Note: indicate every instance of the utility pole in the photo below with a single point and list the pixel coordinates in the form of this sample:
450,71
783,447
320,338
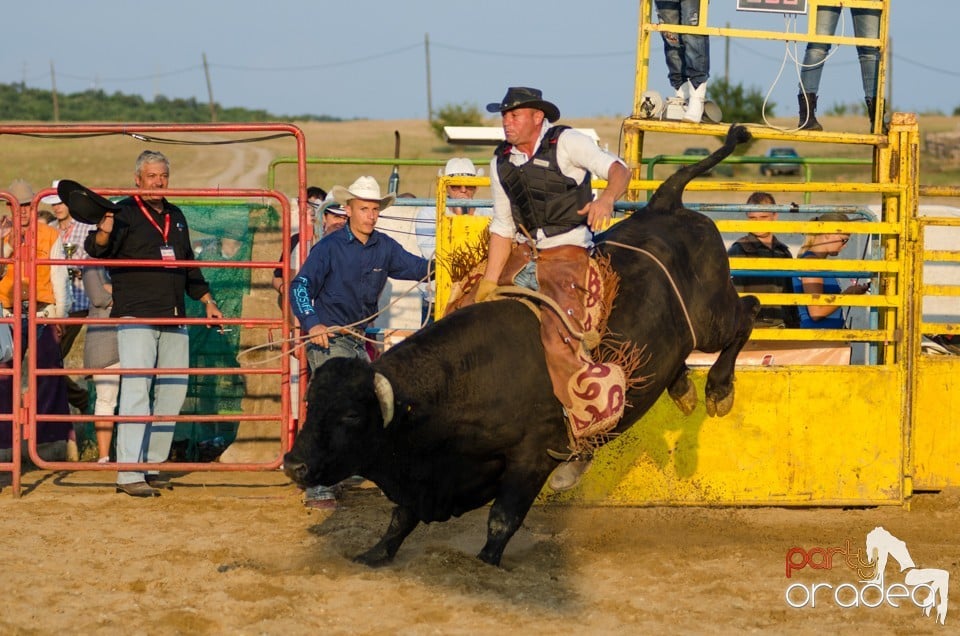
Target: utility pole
53,91
426,48
889,96
726,59
213,108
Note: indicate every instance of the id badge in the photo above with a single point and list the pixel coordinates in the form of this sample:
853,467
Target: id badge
167,254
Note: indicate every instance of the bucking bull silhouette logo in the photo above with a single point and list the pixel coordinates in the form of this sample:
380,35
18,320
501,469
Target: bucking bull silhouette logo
926,588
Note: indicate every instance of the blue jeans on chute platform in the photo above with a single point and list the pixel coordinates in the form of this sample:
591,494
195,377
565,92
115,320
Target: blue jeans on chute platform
866,24
687,56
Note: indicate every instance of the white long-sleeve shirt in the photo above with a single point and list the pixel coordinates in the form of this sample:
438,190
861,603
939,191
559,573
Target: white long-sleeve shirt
577,154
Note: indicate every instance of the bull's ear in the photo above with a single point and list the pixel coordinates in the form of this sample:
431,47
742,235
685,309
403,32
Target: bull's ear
384,391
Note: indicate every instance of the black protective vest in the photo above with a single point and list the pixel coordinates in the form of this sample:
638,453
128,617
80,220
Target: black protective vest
541,197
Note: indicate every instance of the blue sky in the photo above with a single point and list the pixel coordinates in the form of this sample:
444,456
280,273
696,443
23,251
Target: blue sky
367,59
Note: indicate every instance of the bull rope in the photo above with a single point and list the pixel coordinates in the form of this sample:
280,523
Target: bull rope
666,273
303,340
515,290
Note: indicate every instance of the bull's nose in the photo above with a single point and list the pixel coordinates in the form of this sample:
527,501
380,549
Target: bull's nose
295,471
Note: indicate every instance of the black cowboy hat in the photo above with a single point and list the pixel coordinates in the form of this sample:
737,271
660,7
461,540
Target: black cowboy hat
85,205
523,97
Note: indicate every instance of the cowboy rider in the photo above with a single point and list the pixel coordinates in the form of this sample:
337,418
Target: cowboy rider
540,238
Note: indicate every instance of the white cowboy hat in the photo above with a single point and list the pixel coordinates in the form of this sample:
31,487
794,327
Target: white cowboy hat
21,191
365,188
330,206
460,167
52,199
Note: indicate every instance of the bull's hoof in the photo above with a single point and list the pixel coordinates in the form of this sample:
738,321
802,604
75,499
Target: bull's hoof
491,557
719,408
688,401
375,557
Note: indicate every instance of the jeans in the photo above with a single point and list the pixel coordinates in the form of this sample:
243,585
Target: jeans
148,347
866,24
340,347
687,56
527,277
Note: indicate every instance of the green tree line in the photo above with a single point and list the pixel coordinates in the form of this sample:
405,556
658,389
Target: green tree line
20,103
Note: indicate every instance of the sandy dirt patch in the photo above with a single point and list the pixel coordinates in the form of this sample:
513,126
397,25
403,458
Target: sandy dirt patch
238,553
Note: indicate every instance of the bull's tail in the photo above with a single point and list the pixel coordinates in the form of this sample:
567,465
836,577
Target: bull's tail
669,196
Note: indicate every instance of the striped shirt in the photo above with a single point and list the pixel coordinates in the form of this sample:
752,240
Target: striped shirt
72,236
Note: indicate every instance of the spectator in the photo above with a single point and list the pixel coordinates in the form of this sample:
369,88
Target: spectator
822,246
426,221
50,287
100,351
46,217
332,217
328,217
337,288
765,245
72,234
544,216
687,56
866,24
148,227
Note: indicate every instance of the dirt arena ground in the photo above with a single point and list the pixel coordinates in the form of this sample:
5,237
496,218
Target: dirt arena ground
228,553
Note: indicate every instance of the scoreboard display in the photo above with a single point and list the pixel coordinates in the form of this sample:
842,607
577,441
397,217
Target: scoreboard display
773,6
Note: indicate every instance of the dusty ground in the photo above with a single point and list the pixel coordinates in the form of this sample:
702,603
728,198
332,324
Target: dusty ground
238,553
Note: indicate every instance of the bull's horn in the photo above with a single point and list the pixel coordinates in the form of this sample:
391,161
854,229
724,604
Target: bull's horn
384,391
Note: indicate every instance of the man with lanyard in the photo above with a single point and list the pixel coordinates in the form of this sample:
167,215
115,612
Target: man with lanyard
72,233
148,227
334,296
542,230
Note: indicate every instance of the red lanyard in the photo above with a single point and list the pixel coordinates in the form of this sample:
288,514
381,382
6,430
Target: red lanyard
165,232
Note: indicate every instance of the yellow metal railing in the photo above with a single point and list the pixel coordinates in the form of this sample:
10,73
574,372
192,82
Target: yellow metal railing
635,125
887,298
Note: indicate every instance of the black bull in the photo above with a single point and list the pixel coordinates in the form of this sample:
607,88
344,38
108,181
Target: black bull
468,403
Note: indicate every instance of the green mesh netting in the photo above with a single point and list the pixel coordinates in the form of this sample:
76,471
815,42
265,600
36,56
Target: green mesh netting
219,233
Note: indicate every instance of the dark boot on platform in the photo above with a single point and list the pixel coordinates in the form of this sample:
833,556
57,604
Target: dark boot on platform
871,110
808,112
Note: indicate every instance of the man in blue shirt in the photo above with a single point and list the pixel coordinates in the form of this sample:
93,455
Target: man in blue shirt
336,291
338,287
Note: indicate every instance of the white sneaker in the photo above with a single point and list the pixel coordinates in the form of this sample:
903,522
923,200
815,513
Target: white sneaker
568,474
698,96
